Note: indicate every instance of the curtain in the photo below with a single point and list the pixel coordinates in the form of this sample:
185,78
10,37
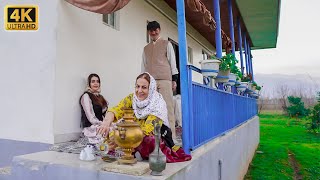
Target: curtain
198,6
99,6
208,20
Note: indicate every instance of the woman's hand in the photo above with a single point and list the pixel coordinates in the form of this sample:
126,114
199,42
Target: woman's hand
104,128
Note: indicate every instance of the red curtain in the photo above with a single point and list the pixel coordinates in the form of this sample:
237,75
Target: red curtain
208,20
99,6
198,6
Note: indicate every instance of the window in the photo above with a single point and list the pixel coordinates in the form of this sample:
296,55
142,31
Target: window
205,55
190,55
111,20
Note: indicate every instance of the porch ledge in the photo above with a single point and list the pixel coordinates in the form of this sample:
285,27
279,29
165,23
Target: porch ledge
227,157
51,163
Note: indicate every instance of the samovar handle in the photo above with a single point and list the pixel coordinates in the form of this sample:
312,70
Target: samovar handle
122,133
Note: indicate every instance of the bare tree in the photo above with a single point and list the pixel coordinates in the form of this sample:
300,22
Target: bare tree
261,104
283,91
262,101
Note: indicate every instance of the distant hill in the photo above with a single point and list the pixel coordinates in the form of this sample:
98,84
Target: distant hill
299,83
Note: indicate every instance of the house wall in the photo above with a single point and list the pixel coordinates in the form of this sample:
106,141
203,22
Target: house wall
27,67
86,45
226,157
44,71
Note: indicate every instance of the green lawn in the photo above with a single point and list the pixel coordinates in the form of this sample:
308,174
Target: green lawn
287,150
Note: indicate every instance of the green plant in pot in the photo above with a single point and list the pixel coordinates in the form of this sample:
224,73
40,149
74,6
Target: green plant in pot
226,62
258,88
233,66
239,76
246,78
213,57
224,68
254,85
234,70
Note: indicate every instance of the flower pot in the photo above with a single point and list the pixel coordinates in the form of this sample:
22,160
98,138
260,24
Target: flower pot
232,80
223,76
254,87
238,82
242,87
210,67
249,91
255,93
250,85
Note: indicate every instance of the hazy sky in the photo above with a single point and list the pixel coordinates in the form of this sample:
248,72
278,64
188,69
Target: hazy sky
298,46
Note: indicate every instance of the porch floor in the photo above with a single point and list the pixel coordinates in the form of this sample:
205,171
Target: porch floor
42,161
226,156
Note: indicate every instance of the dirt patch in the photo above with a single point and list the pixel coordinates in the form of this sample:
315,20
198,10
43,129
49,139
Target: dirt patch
295,166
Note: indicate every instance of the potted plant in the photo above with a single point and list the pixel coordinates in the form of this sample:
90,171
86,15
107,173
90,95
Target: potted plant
254,85
239,77
224,68
246,78
210,67
234,71
258,89
244,83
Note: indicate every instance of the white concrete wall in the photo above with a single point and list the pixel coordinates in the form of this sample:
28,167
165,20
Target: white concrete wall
235,150
27,67
44,72
86,45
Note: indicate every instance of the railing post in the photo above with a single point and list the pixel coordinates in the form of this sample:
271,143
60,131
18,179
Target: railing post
216,9
218,38
240,45
249,57
245,52
251,64
183,75
191,129
231,25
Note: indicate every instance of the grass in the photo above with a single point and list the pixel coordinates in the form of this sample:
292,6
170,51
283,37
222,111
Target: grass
286,150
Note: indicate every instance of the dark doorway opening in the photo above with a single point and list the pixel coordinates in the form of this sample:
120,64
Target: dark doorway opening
176,50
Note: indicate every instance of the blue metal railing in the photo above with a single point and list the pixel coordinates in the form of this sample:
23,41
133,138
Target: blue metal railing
213,112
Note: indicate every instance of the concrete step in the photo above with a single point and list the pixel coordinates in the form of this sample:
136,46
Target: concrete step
51,165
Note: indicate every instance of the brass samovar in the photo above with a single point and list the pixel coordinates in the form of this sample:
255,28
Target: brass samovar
128,135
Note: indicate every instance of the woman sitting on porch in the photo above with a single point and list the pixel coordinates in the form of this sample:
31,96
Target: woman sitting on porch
93,109
148,106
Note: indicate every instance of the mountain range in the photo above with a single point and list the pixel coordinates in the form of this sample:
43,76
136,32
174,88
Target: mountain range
304,84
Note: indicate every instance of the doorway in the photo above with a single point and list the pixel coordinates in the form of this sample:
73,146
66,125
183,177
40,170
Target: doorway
176,50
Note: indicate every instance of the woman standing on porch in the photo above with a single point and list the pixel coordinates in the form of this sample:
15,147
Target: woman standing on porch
148,106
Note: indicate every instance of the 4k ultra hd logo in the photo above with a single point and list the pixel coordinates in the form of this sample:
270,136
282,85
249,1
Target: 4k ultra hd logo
21,17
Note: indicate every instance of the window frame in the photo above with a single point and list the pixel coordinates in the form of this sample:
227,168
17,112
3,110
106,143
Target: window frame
190,55
205,54
116,20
